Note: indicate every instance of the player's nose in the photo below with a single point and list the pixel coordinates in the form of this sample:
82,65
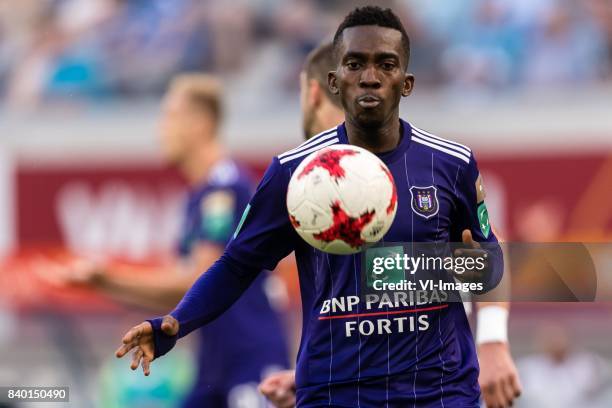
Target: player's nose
369,78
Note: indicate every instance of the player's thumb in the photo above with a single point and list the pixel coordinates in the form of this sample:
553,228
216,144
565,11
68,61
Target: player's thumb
170,325
467,239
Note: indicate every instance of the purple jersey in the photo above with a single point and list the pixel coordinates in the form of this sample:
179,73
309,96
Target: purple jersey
423,357
212,213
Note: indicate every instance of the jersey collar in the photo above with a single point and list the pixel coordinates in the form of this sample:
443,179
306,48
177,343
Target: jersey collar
392,155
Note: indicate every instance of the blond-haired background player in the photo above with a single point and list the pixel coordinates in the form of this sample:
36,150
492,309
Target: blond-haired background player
229,368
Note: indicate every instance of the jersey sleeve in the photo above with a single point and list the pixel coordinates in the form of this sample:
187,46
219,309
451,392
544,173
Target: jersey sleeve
211,295
471,213
264,234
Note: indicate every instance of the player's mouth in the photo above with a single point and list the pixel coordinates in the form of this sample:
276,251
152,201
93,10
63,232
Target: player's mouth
368,101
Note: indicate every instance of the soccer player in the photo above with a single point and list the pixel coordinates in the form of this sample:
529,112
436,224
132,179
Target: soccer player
247,343
422,356
322,110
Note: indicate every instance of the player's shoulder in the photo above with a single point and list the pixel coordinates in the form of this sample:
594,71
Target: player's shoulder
450,151
228,174
293,157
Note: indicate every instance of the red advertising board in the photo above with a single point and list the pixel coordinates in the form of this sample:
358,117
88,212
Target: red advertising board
132,212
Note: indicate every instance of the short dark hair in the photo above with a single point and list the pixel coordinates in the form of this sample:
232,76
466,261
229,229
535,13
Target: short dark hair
373,15
318,63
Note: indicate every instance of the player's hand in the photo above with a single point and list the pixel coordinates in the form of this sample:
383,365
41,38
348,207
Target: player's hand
140,339
472,249
76,272
498,377
279,388
85,272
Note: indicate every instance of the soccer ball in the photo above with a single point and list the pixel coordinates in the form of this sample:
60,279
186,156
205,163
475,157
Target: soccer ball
341,199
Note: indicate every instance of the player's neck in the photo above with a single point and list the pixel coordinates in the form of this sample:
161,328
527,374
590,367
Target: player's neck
377,140
199,163
327,117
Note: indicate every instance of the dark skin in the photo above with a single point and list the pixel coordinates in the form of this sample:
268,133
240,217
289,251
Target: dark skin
371,78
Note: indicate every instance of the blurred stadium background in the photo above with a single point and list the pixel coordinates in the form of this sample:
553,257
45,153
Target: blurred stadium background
526,83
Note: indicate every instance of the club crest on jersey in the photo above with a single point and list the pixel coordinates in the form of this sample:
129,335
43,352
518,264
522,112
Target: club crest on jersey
424,201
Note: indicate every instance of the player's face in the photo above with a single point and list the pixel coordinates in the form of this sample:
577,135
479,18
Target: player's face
181,127
371,75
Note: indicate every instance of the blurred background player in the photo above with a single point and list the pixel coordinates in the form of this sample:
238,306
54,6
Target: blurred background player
247,342
323,110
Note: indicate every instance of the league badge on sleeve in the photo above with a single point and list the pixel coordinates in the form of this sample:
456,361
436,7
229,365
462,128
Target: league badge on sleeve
481,211
483,219
424,201
217,214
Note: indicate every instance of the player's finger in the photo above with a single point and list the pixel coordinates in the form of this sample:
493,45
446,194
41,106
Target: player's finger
508,392
146,365
129,340
491,396
516,386
268,385
487,396
124,349
136,358
500,396
278,391
132,334
148,352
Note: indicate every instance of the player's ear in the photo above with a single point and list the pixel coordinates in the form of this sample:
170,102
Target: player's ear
331,82
408,84
314,92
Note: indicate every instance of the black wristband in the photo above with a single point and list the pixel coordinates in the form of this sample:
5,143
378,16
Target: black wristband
163,343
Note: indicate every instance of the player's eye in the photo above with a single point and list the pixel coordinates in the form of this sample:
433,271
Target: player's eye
388,66
353,65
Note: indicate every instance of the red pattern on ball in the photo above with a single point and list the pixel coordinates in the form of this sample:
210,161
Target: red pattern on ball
328,159
345,227
294,221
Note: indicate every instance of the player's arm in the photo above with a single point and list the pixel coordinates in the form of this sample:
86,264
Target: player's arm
161,289
155,288
470,225
264,236
211,294
498,378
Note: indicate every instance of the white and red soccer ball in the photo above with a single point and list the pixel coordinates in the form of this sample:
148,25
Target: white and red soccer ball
341,199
